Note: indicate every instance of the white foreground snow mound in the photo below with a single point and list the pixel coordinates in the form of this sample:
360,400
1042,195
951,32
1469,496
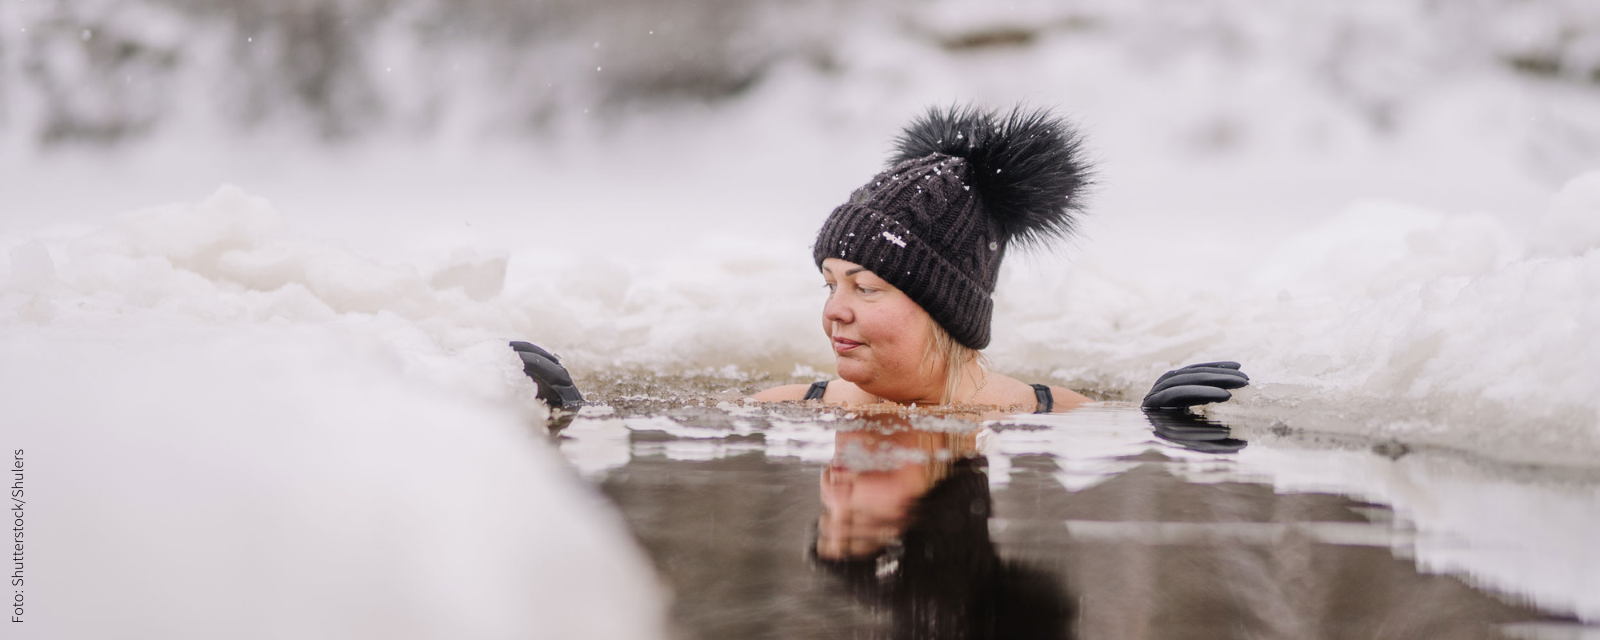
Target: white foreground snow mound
210,461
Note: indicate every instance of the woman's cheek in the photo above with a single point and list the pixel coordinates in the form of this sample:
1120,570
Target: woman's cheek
879,330
890,345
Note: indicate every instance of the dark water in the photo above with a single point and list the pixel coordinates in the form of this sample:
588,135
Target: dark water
794,522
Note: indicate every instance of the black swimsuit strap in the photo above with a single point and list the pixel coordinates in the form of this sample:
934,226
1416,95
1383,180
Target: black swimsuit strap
1047,401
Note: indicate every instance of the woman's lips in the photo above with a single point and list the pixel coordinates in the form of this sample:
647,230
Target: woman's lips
843,345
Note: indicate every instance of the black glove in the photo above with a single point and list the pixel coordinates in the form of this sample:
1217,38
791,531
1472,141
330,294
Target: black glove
1195,384
555,384
1191,432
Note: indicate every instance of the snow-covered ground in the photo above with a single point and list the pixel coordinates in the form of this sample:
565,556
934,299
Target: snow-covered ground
192,479
1370,206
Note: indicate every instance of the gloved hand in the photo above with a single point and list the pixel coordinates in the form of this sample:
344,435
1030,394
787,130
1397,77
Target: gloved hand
1195,384
555,384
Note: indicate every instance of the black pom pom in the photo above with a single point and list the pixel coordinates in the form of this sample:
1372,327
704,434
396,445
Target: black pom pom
1028,166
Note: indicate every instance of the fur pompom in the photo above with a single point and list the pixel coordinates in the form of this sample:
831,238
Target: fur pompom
1027,165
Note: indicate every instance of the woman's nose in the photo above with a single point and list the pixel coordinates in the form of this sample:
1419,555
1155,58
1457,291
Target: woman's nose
838,310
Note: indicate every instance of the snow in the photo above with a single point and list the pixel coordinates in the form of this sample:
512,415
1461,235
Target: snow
193,477
1387,319
1466,330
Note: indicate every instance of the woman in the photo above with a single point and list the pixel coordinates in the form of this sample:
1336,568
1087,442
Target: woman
912,259
911,262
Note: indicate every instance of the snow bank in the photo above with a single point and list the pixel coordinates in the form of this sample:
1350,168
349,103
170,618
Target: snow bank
233,435
1389,320
1466,330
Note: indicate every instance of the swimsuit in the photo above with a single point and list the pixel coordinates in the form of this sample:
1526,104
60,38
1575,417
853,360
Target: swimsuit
1042,392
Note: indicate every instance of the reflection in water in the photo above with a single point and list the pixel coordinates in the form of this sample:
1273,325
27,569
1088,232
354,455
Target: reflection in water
879,473
905,527
1104,523
1192,432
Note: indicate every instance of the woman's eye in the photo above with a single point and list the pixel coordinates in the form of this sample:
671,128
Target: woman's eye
865,290
829,286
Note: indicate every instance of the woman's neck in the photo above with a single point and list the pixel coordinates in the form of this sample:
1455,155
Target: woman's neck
931,390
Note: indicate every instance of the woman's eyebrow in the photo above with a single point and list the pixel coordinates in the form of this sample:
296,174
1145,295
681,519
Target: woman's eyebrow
855,271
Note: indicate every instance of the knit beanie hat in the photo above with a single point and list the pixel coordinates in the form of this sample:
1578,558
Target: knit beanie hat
963,185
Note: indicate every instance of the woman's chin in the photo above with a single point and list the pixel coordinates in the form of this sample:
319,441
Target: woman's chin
851,370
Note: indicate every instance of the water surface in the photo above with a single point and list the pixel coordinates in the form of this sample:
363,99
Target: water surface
791,521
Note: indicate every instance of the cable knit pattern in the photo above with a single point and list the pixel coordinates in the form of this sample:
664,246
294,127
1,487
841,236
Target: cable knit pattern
921,227
966,183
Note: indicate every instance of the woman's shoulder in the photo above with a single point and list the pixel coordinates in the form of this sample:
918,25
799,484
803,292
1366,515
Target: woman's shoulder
1006,391
835,392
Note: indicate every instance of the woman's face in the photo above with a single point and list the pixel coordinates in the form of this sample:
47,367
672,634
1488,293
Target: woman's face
880,336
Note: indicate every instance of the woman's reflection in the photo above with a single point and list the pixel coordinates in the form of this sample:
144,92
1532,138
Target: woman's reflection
905,527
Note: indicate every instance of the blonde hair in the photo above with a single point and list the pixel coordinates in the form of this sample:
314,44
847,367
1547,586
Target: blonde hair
945,351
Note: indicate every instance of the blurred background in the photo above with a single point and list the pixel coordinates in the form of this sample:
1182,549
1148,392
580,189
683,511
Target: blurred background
1271,103
101,75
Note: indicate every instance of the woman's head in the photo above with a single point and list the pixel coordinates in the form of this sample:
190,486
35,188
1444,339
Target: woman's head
933,229
883,341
